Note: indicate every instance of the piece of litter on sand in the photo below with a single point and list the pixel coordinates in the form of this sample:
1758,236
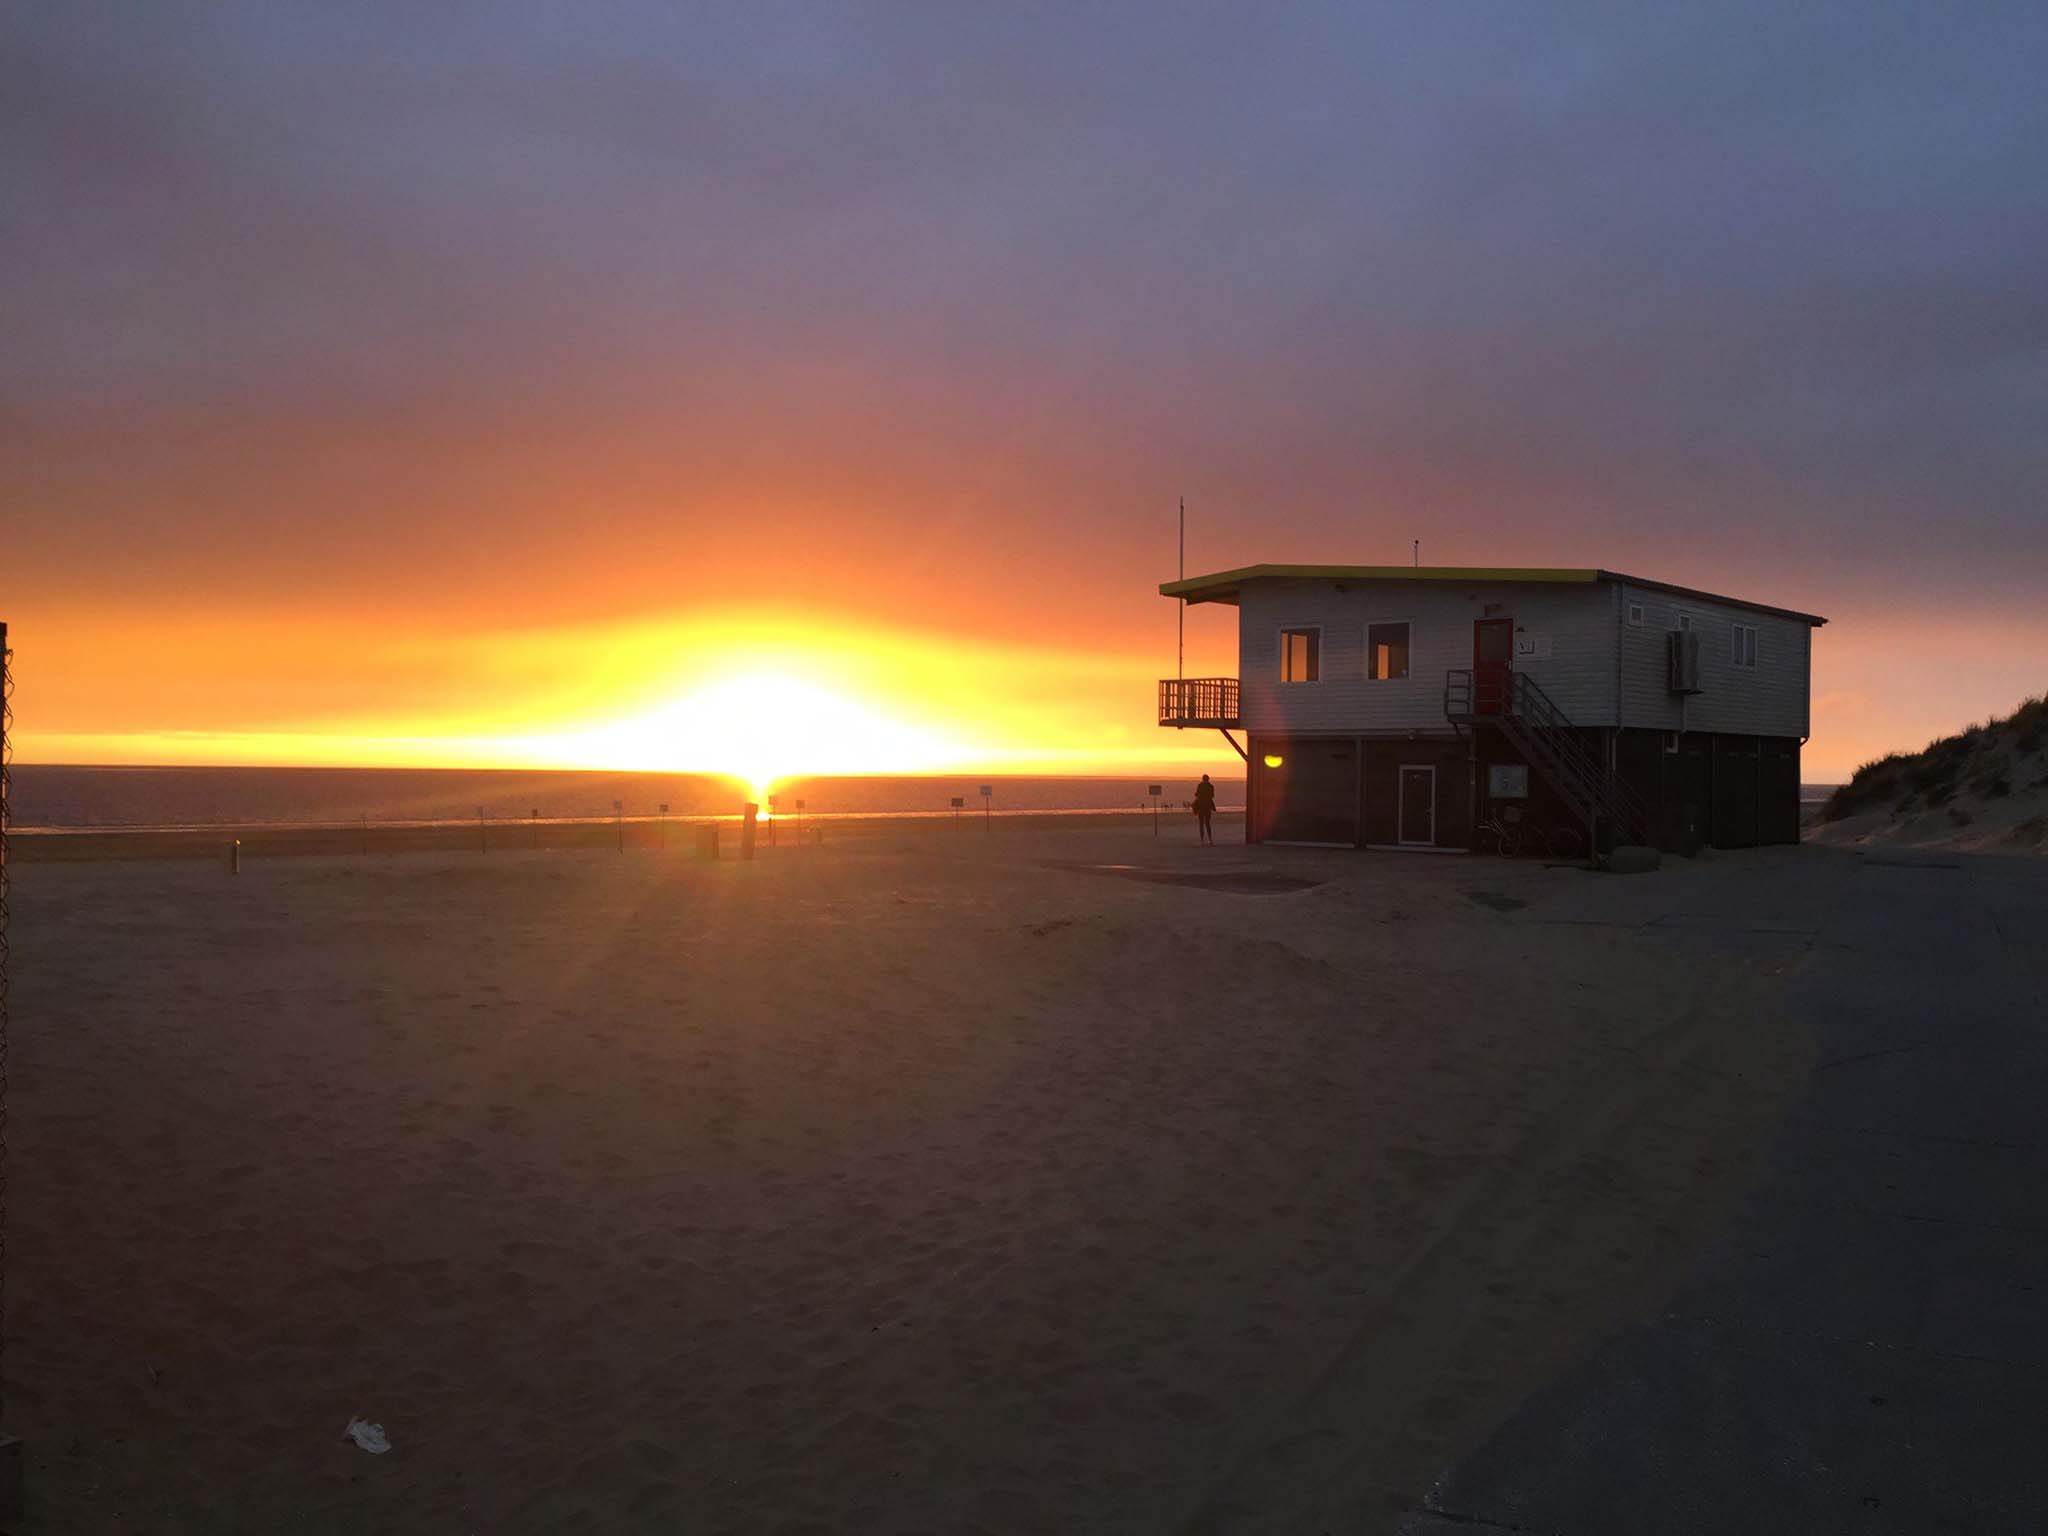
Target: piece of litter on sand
369,1436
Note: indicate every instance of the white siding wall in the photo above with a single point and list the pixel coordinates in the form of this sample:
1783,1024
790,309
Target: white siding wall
1770,700
1576,619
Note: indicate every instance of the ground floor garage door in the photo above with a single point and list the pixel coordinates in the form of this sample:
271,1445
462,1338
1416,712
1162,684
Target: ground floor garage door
1305,791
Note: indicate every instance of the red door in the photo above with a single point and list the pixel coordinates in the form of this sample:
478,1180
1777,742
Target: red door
1493,658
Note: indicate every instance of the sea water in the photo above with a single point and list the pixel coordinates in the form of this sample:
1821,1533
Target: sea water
66,798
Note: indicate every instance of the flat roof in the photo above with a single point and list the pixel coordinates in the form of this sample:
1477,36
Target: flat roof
1222,586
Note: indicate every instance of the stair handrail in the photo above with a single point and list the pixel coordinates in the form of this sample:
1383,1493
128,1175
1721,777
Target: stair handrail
1529,701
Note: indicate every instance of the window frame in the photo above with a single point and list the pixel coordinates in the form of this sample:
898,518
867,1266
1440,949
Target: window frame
1370,626
1638,613
1740,655
1281,633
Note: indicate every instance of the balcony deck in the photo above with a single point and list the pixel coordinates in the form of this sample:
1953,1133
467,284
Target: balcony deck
1206,703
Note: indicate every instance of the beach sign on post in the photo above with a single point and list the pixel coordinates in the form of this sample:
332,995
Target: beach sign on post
957,802
664,823
1155,791
988,800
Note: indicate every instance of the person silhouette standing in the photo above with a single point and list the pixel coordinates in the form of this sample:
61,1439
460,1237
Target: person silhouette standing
1205,808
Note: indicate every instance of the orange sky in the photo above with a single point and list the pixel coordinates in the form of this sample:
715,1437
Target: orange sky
1057,678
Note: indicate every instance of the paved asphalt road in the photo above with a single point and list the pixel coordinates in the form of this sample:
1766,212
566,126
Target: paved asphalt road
1866,1348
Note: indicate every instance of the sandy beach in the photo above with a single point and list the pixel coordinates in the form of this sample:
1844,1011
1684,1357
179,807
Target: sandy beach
916,1182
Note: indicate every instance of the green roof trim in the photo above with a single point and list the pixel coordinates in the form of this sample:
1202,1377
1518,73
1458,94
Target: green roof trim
1221,586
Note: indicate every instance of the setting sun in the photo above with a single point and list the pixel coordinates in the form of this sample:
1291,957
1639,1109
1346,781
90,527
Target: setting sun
762,728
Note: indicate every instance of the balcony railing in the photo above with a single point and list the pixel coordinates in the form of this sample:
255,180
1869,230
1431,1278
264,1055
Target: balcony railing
1209,702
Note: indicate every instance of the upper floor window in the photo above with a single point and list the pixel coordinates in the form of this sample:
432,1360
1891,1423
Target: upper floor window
1301,655
1386,651
1743,649
1635,614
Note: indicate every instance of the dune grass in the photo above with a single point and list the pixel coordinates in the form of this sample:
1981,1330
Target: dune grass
1981,761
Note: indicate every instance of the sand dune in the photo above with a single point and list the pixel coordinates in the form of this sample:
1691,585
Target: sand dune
1983,790
905,1185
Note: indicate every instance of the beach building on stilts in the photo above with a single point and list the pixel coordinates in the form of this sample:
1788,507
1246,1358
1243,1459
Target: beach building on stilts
1427,707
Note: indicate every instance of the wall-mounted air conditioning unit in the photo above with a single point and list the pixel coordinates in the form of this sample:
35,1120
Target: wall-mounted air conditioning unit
1682,660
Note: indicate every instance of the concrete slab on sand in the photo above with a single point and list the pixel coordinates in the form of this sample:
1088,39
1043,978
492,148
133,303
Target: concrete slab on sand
1867,1347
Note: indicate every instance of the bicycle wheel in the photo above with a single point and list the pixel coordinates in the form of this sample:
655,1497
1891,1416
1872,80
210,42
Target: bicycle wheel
1510,842
1564,842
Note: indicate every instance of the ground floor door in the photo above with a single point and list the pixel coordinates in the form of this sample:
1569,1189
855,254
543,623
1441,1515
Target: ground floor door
1418,803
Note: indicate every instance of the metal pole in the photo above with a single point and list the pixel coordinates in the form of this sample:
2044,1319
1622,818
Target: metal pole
483,835
619,815
536,826
664,826
11,1459
1180,659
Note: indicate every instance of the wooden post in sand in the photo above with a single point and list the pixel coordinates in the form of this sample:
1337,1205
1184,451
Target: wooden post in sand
663,810
235,857
483,833
747,830
536,826
619,815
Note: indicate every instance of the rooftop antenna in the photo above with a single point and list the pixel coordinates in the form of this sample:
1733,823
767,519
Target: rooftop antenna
1180,660
1418,554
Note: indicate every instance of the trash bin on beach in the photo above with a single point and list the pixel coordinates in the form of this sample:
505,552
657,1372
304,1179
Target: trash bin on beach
707,841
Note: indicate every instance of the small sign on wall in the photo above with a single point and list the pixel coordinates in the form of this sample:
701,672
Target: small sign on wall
1507,781
1532,647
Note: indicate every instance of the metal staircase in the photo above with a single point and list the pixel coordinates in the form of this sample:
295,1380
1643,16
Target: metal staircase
1513,704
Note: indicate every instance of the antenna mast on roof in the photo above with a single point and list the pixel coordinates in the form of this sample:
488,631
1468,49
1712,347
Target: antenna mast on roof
1180,660
1418,554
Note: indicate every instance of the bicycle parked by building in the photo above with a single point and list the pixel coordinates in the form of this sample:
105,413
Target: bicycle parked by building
1508,832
